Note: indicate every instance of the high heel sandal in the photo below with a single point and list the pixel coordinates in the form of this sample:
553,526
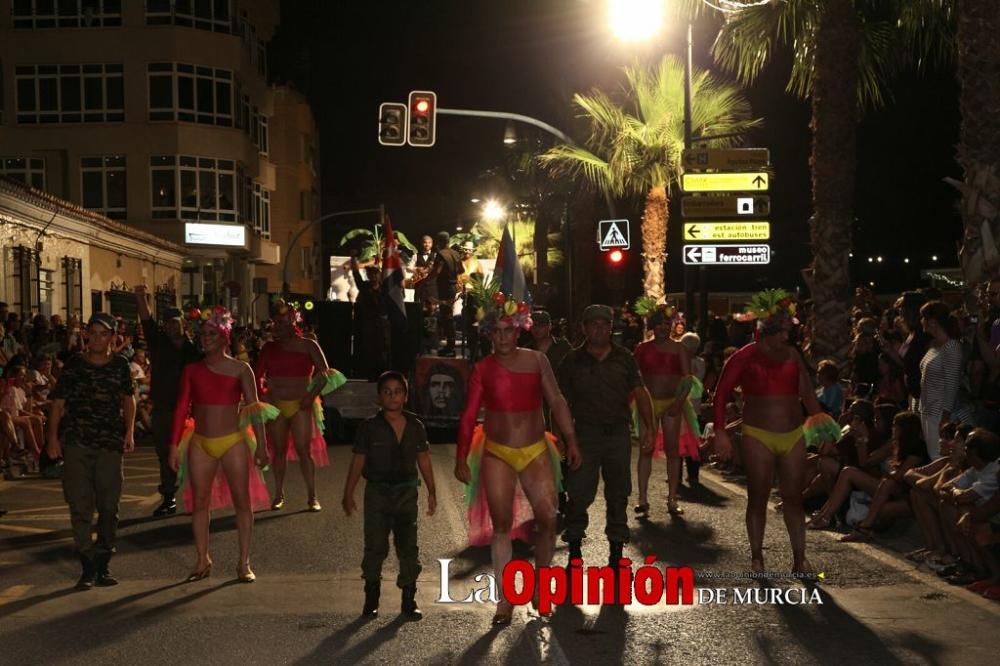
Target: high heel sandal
200,574
642,509
673,508
278,504
819,522
247,577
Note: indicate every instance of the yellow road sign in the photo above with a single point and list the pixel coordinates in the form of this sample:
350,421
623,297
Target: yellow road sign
751,181
722,206
726,231
727,159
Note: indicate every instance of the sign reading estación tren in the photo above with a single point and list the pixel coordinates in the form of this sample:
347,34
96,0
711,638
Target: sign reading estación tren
724,201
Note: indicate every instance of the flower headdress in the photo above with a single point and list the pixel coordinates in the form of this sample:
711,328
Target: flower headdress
493,306
217,316
657,313
771,308
286,311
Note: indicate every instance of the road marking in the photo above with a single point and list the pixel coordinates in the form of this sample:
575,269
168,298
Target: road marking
60,507
13,593
23,529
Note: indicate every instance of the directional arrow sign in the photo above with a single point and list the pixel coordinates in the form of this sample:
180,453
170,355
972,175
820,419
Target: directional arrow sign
751,181
726,231
732,159
719,206
726,255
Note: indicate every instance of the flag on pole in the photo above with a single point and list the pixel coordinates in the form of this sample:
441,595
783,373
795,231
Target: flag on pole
508,269
392,273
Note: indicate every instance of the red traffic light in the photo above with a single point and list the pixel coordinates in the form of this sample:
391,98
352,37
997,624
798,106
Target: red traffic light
423,118
422,106
616,256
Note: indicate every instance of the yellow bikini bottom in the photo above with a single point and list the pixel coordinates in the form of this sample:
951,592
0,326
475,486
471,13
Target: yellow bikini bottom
517,457
217,446
288,408
660,407
778,443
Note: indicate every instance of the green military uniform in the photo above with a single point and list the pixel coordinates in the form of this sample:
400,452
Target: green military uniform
92,432
391,495
598,395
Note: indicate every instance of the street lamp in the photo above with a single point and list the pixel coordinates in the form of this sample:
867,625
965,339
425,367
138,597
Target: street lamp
493,211
509,134
635,20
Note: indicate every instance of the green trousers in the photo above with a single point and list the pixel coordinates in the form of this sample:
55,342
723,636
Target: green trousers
607,453
391,508
92,479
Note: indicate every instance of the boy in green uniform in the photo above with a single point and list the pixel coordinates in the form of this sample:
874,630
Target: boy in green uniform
388,449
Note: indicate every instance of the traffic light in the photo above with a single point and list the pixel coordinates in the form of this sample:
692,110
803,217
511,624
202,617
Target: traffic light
423,118
616,257
392,124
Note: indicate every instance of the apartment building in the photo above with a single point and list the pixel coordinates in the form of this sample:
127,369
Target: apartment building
160,114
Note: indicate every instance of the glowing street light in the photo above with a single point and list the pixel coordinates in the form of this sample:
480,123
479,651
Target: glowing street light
493,211
635,20
878,259
934,258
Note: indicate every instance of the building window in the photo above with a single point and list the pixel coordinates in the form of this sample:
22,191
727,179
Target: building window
216,15
28,170
190,93
24,286
193,188
73,286
306,256
104,187
254,126
263,137
70,94
46,285
66,13
262,210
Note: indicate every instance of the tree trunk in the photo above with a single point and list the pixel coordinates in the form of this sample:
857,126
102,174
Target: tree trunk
654,243
979,142
834,126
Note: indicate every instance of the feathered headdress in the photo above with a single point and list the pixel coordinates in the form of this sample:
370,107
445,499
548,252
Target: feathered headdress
217,316
493,306
656,313
771,308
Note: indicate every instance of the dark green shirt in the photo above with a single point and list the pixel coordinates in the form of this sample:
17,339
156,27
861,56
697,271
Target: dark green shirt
92,414
598,391
388,460
557,351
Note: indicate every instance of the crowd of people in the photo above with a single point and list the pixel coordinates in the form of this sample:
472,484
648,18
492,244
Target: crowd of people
908,430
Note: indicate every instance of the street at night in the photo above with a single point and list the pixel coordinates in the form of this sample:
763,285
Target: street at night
876,607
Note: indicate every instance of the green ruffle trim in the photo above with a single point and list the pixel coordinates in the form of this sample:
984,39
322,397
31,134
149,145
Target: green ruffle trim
330,380
258,413
820,428
690,386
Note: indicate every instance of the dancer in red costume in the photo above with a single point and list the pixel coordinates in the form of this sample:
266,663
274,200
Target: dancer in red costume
511,446
776,386
216,449
665,365
296,374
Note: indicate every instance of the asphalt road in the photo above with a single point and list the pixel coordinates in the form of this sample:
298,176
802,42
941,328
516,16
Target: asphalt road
872,607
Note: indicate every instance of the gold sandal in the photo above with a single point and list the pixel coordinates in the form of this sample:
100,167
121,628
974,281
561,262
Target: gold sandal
200,574
247,577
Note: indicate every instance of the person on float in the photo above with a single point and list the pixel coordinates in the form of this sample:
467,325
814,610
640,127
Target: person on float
216,442
665,365
295,373
512,445
776,385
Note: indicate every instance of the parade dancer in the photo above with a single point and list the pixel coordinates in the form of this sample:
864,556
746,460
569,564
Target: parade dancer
296,375
776,386
216,442
511,446
665,365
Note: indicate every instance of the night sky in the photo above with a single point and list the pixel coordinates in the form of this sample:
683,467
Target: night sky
530,56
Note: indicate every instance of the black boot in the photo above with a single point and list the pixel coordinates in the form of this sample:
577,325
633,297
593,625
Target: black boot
575,552
409,603
615,553
372,592
104,577
89,573
168,507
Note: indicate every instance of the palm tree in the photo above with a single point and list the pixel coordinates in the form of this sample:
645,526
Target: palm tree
486,238
844,52
371,242
979,143
634,147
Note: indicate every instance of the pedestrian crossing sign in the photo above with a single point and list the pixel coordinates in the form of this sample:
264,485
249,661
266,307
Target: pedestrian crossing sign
613,235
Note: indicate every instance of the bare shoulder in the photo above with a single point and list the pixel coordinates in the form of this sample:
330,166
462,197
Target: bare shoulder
240,368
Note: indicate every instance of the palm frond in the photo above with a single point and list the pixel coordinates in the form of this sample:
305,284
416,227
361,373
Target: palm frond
355,233
404,241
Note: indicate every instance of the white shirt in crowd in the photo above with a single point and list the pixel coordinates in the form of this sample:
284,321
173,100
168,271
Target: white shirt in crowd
983,481
14,400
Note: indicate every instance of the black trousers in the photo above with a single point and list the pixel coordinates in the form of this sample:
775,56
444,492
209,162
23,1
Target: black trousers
162,420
